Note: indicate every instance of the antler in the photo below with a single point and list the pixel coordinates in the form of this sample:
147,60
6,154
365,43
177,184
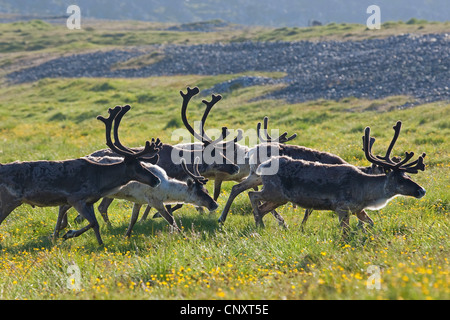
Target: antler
196,175
281,139
386,157
116,115
209,105
108,124
186,98
203,137
386,162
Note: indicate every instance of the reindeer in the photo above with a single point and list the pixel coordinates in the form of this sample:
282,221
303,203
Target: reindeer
271,147
169,191
78,182
239,156
208,169
342,188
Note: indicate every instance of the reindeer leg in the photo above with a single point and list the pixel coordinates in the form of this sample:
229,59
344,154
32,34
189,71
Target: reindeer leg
64,221
134,216
364,217
260,211
146,212
344,219
217,186
61,221
255,197
103,208
166,215
306,216
279,218
8,203
267,207
169,209
250,182
87,212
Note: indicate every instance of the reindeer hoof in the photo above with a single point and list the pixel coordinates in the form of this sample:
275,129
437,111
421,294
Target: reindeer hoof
69,234
53,237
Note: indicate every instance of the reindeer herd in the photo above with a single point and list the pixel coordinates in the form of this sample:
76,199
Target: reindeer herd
152,176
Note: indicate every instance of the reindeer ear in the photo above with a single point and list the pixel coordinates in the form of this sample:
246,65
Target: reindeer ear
190,182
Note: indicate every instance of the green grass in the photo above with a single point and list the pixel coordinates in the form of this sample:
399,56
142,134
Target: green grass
55,119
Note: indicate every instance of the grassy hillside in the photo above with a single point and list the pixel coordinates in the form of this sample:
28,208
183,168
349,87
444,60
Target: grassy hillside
55,119
24,44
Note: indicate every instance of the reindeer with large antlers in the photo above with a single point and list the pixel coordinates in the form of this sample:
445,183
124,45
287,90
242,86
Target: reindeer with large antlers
238,154
170,156
276,147
78,182
341,188
205,144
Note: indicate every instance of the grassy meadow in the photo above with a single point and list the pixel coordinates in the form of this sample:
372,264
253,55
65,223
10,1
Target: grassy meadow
54,119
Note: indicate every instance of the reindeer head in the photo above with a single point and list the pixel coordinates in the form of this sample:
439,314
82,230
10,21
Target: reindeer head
198,194
132,160
211,148
398,182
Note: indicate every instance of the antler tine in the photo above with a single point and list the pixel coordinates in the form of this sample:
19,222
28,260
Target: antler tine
414,166
186,98
418,165
150,148
281,139
196,162
209,105
197,178
117,120
284,140
387,156
266,121
372,141
423,155
190,92
258,132
108,127
368,151
112,114
116,115
206,139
